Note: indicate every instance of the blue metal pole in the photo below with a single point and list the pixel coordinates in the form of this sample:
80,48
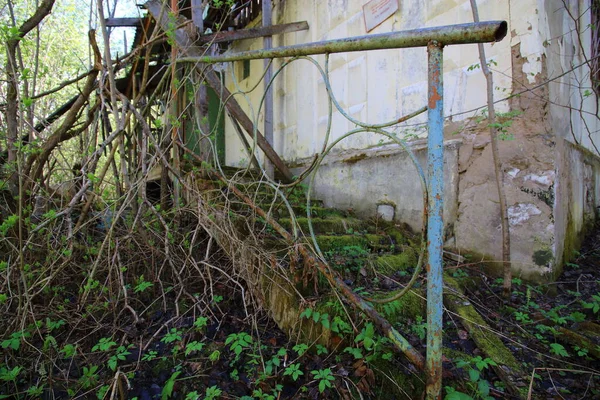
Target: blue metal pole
435,222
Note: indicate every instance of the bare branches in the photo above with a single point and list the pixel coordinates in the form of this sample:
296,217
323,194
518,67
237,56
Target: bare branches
497,164
64,132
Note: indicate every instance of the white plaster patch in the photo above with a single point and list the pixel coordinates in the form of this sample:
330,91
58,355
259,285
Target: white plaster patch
521,213
513,172
545,179
386,212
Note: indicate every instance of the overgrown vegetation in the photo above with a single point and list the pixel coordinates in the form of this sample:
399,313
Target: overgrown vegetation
115,285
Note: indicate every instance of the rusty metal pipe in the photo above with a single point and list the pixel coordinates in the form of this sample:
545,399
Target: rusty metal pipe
481,32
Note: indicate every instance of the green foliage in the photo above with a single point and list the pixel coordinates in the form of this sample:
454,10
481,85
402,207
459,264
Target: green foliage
142,285
238,342
324,377
10,375
200,323
212,392
558,349
167,391
419,327
151,355
89,377
479,387
356,352
14,340
348,258
593,304
366,336
294,371
300,348
321,349
120,355
174,335
104,344
193,346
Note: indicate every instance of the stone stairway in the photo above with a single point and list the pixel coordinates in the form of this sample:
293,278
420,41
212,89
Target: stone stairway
375,258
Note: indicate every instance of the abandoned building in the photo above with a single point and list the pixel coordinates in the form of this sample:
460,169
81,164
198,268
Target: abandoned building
545,89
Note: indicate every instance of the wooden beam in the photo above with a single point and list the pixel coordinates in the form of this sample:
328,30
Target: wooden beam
227,36
117,22
159,12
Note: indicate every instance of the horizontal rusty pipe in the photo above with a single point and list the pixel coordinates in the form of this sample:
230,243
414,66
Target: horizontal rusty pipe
481,32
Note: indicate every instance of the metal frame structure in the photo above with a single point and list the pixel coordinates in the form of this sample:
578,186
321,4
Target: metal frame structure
435,39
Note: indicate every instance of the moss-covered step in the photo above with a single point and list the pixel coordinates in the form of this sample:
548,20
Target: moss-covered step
366,241
389,264
508,368
337,225
280,210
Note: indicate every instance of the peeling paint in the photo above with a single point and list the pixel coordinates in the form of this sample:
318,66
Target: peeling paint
546,179
521,213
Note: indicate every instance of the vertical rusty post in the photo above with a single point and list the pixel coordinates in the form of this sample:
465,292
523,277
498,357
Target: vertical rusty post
435,222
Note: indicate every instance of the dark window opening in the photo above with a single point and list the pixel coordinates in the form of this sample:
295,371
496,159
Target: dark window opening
245,69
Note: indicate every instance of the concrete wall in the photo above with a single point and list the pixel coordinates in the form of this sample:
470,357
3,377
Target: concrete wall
362,179
574,118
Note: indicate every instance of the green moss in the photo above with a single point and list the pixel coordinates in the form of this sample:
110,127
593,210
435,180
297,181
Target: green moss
576,339
409,306
486,340
542,257
394,382
329,243
391,263
325,225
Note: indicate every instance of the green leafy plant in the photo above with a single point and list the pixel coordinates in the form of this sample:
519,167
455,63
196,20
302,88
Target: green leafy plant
167,390
104,344
294,371
10,375
324,377
14,340
151,355
142,285
357,353
366,336
193,346
321,349
593,304
212,392
558,349
419,328
174,335
120,355
89,377
300,348
522,317
238,342
479,387
200,323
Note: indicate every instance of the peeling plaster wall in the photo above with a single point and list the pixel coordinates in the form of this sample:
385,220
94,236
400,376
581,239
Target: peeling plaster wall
529,178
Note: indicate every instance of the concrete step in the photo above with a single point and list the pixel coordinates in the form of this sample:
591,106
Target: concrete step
327,225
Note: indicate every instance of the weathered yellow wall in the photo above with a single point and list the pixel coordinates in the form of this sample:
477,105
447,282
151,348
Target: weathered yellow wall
374,86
